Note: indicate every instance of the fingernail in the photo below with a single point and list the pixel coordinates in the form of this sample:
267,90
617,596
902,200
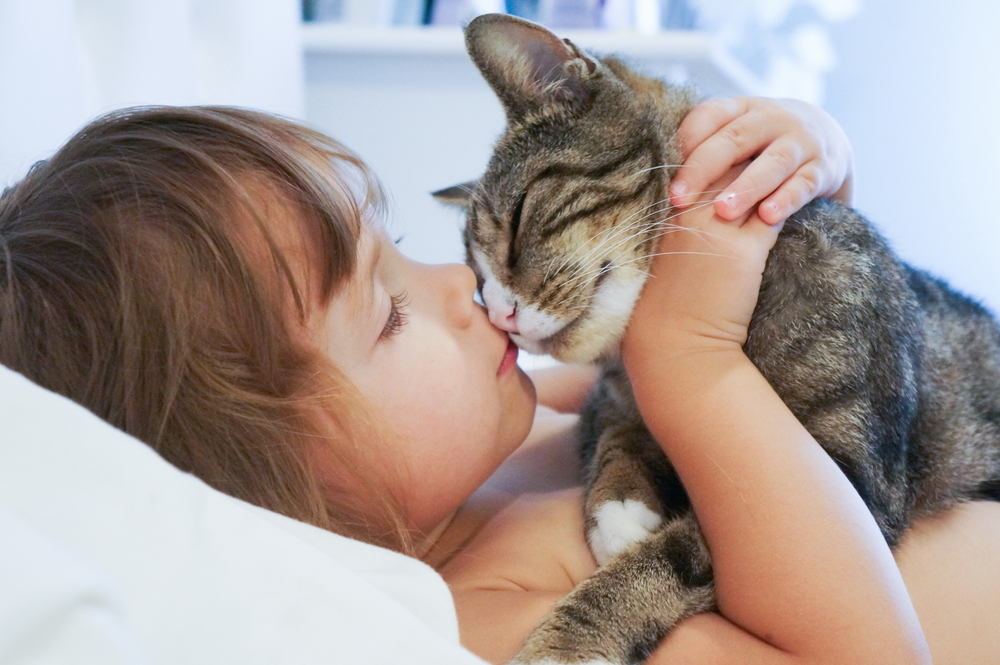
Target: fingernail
728,199
773,213
677,192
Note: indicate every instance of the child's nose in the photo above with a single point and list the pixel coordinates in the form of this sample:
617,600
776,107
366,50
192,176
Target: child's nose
463,286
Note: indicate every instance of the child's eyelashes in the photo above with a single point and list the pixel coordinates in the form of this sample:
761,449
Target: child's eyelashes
397,315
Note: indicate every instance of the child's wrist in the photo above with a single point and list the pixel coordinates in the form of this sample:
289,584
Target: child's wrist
687,379
676,351
678,335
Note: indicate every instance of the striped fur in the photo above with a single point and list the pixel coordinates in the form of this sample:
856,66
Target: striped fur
894,374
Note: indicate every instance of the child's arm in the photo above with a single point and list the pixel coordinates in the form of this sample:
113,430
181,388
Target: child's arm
802,573
799,153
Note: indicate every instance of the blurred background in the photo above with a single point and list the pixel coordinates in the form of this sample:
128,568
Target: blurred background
915,83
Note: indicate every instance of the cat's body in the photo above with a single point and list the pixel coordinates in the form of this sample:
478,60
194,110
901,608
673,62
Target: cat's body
895,375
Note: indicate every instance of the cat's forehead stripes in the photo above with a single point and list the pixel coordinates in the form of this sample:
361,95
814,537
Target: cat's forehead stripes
587,169
562,217
572,184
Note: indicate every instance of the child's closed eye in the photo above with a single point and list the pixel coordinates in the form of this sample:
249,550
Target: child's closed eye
397,315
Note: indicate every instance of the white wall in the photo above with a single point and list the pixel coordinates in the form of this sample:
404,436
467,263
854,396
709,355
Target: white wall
918,91
62,62
917,88
426,119
422,123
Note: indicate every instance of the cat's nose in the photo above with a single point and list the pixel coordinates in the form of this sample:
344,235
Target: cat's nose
504,316
501,304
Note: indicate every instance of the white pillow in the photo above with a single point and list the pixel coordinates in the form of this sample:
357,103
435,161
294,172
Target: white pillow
108,554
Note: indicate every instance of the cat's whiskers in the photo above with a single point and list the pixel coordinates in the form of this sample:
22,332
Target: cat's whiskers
590,268
633,230
592,263
595,271
694,206
662,166
601,248
702,232
650,256
624,226
620,227
597,267
600,270
674,228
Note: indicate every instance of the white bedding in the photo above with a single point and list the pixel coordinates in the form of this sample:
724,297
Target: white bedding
110,555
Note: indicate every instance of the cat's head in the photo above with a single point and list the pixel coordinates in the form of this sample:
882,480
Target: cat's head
561,226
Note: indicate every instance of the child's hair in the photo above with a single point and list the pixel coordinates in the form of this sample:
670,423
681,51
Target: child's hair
140,277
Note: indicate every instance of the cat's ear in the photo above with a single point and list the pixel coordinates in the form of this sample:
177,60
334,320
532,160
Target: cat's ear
527,66
457,195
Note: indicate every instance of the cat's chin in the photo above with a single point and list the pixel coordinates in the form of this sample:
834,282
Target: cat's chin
548,347
536,347
595,335
566,351
588,354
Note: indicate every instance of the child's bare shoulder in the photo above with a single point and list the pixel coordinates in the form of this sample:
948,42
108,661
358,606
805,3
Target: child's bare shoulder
524,529
535,543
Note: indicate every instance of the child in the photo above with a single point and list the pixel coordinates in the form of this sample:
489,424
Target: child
214,282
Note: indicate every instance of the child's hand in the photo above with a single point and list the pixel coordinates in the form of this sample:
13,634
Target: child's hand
799,153
703,283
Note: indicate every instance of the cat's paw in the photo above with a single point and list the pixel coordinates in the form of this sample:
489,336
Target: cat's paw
620,524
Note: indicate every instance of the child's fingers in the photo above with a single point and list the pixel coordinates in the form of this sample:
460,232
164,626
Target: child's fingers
797,191
763,176
734,143
706,119
702,125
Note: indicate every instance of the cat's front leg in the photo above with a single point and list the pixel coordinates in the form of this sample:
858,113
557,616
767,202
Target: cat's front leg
628,477
622,507
619,616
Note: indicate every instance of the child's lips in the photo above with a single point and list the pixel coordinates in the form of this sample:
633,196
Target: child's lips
509,358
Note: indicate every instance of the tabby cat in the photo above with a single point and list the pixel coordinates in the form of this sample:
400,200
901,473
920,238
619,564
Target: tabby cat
893,373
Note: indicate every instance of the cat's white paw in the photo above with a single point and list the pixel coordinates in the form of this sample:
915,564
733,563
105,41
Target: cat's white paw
620,524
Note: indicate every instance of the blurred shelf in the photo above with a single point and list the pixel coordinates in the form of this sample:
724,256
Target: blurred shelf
693,54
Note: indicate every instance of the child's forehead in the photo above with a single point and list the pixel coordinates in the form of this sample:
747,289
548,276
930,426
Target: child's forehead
370,247
362,285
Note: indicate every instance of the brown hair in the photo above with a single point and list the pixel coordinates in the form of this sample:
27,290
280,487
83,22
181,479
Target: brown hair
130,282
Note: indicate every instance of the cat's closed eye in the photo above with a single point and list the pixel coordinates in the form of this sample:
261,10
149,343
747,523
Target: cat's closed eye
603,272
515,225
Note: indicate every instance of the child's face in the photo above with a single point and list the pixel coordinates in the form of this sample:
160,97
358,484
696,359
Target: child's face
412,340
